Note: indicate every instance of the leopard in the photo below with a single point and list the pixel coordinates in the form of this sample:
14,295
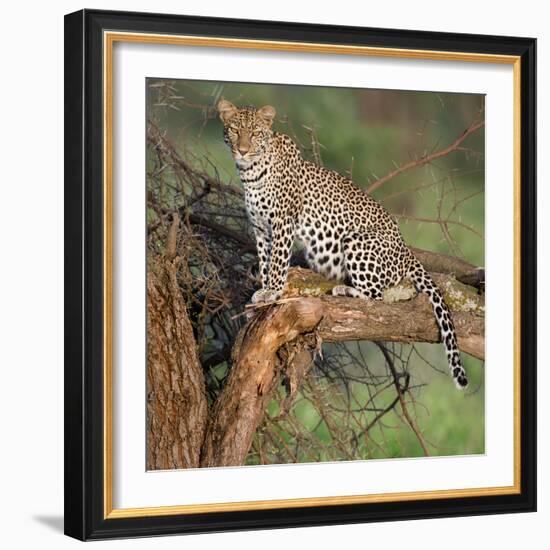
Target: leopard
346,234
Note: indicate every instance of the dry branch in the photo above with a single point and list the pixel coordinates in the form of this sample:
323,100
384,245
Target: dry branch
462,271
455,146
400,396
254,375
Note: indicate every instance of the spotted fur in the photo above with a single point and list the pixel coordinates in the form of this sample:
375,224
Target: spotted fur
346,234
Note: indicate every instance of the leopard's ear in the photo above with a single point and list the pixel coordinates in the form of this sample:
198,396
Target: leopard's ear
267,114
226,109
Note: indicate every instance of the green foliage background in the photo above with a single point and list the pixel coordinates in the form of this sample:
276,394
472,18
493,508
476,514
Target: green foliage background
366,134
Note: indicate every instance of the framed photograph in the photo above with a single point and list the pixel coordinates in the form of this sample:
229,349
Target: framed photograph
300,274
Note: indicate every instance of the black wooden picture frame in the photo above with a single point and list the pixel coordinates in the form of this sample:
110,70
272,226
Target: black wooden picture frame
87,514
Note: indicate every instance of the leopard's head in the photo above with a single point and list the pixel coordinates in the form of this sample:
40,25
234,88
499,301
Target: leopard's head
247,130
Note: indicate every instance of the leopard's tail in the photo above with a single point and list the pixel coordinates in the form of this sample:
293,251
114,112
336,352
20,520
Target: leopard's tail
424,283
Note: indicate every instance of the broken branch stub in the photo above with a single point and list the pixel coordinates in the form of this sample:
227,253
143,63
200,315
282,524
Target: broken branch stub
254,376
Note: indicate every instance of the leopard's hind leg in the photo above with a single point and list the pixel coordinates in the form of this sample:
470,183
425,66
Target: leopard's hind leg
368,265
378,259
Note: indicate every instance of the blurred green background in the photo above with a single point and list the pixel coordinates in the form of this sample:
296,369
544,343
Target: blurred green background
365,134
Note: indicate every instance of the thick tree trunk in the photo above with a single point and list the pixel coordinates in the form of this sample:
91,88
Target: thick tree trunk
176,400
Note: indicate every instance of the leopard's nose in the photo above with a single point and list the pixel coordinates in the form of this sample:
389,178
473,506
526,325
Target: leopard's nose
243,149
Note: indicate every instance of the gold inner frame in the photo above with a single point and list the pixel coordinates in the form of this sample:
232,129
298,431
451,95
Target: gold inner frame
109,39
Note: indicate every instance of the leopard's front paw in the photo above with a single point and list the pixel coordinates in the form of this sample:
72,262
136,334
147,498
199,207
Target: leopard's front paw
265,295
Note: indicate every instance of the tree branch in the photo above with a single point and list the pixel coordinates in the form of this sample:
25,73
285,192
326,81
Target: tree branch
455,146
401,398
464,272
410,321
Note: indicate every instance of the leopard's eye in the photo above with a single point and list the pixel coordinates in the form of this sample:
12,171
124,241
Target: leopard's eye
256,133
232,130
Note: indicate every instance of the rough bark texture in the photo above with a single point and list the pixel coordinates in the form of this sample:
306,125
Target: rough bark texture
254,375
378,322
176,401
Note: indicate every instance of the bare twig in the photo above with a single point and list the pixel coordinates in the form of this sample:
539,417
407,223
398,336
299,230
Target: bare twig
402,402
427,158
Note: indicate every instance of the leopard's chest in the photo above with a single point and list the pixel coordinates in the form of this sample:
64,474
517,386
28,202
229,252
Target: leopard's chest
269,194
260,204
